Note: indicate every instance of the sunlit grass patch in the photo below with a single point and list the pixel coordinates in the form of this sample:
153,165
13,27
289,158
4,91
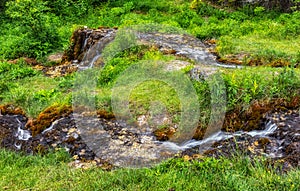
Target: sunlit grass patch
257,46
51,172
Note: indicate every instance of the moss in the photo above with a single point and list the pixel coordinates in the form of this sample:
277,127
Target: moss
252,117
279,63
10,109
230,61
199,133
40,149
46,117
263,141
74,50
105,114
164,134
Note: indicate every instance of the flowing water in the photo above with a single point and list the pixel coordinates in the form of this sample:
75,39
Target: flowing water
126,145
205,144
94,52
22,134
181,44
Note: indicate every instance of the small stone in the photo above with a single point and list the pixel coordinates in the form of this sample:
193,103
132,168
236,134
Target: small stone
82,152
251,149
54,145
282,118
197,156
186,158
75,157
64,130
71,130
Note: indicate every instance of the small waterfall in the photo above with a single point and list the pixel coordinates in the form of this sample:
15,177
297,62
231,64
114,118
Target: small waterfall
184,45
21,135
94,51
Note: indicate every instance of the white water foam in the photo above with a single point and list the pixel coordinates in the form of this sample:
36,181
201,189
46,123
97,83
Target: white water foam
206,143
22,134
51,126
94,52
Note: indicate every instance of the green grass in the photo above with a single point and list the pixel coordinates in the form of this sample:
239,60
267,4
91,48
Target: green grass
23,86
51,172
255,46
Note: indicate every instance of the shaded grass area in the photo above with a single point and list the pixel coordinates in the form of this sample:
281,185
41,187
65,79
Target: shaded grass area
51,172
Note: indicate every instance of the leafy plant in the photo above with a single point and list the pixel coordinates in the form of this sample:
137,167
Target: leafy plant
38,25
16,71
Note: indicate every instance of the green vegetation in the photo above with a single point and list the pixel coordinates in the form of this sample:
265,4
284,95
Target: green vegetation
26,87
52,173
36,28
23,86
253,35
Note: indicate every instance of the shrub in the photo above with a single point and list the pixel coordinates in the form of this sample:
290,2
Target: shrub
37,23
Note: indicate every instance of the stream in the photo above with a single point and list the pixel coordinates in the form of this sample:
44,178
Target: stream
88,137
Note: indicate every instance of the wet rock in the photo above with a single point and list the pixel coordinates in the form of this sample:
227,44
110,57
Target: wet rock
164,134
94,141
105,114
53,138
83,39
58,70
179,45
